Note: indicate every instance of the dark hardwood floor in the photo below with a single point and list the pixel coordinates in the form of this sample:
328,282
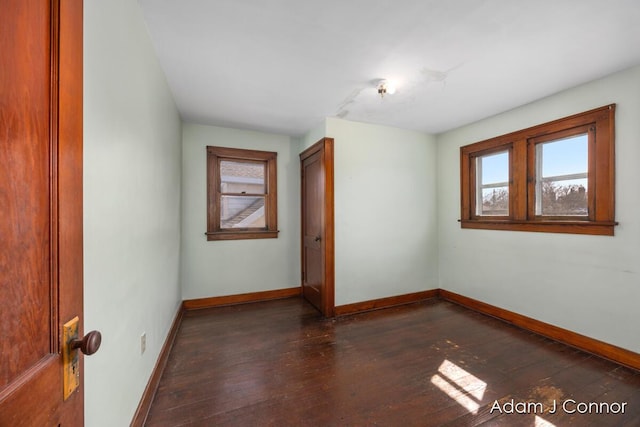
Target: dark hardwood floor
434,363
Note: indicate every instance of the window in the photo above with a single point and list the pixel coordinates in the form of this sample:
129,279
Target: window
492,178
561,171
241,194
556,177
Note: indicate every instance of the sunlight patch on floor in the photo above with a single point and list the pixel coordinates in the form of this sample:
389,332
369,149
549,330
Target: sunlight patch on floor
466,389
541,422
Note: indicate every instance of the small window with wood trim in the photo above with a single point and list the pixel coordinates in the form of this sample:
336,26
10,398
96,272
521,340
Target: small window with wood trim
492,184
241,194
555,177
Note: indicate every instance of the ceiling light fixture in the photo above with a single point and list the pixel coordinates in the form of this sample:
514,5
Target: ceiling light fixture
386,87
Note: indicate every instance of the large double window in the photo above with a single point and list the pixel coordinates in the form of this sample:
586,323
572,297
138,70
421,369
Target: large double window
555,177
241,194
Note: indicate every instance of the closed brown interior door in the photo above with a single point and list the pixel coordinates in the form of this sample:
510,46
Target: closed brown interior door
317,225
40,206
313,188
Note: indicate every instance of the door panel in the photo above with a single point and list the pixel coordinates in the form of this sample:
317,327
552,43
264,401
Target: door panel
313,230
24,195
317,226
40,206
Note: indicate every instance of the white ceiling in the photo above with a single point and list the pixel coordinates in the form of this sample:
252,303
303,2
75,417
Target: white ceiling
284,65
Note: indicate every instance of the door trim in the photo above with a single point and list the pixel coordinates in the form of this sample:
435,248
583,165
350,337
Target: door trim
325,148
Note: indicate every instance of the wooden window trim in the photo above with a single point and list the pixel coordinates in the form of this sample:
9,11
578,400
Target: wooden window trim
508,147
214,156
599,124
588,129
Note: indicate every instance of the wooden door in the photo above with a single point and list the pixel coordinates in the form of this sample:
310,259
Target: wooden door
40,208
316,166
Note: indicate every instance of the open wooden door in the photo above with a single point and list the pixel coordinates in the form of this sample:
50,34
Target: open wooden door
41,213
316,168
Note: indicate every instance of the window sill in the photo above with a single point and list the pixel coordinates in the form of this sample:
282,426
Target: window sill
569,227
241,235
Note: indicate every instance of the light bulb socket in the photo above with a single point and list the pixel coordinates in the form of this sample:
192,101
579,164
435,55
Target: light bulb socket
385,87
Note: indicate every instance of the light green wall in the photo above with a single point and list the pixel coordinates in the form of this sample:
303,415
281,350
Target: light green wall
385,211
386,234
132,134
232,267
312,136
587,284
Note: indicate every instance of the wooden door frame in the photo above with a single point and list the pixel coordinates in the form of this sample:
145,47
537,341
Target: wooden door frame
69,166
325,148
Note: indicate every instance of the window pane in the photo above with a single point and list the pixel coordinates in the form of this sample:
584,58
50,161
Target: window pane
562,184
563,198
564,156
242,212
495,168
493,184
242,177
495,201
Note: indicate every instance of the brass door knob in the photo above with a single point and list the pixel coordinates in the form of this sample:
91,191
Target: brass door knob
89,344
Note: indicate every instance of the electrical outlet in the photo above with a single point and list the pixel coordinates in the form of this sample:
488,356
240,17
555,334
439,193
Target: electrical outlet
143,342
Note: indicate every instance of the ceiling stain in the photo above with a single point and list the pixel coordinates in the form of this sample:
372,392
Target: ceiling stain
350,99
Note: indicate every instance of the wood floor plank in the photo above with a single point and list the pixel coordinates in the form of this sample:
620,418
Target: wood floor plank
432,363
